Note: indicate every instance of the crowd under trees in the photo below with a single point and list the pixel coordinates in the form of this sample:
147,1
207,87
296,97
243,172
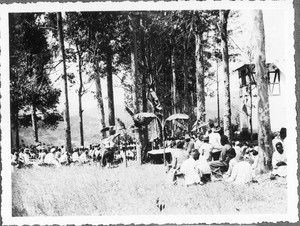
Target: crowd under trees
165,53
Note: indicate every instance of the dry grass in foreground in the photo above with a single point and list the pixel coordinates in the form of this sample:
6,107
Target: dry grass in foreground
90,190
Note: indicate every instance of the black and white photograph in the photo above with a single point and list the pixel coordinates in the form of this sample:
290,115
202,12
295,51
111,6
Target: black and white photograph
166,112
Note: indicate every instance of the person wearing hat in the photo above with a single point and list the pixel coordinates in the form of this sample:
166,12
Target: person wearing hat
206,148
215,140
189,144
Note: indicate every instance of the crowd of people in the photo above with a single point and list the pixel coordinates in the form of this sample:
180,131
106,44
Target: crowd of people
198,159
55,156
211,156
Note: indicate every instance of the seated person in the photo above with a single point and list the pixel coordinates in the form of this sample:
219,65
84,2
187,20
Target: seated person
279,161
242,171
227,153
280,137
50,158
231,164
75,155
83,158
64,158
178,157
190,169
204,168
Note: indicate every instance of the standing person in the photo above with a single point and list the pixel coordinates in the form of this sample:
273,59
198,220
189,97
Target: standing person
215,141
279,162
227,153
190,169
206,148
189,144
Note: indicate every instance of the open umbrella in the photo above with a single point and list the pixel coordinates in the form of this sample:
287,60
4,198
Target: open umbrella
177,116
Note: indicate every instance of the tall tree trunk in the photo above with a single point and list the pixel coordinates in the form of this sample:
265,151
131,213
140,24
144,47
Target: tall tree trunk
144,81
143,56
200,92
34,123
185,81
135,80
15,140
110,91
174,90
68,144
80,111
99,98
224,49
264,126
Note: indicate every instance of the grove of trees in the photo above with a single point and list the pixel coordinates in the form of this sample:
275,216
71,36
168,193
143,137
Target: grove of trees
168,53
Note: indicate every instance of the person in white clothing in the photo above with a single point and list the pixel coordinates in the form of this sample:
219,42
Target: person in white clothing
280,137
241,172
206,148
63,159
50,158
279,162
75,156
190,169
83,157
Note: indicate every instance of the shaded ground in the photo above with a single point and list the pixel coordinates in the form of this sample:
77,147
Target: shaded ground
89,190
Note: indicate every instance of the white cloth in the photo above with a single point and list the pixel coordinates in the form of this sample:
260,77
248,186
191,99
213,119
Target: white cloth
205,150
232,163
241,173
83,158
57,155
26,158
215,139
198,144
50,159
277,157
279,170
191,171
63,158
75,156
203,165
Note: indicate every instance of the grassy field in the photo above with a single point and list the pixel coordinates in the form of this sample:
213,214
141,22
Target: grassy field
90,190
